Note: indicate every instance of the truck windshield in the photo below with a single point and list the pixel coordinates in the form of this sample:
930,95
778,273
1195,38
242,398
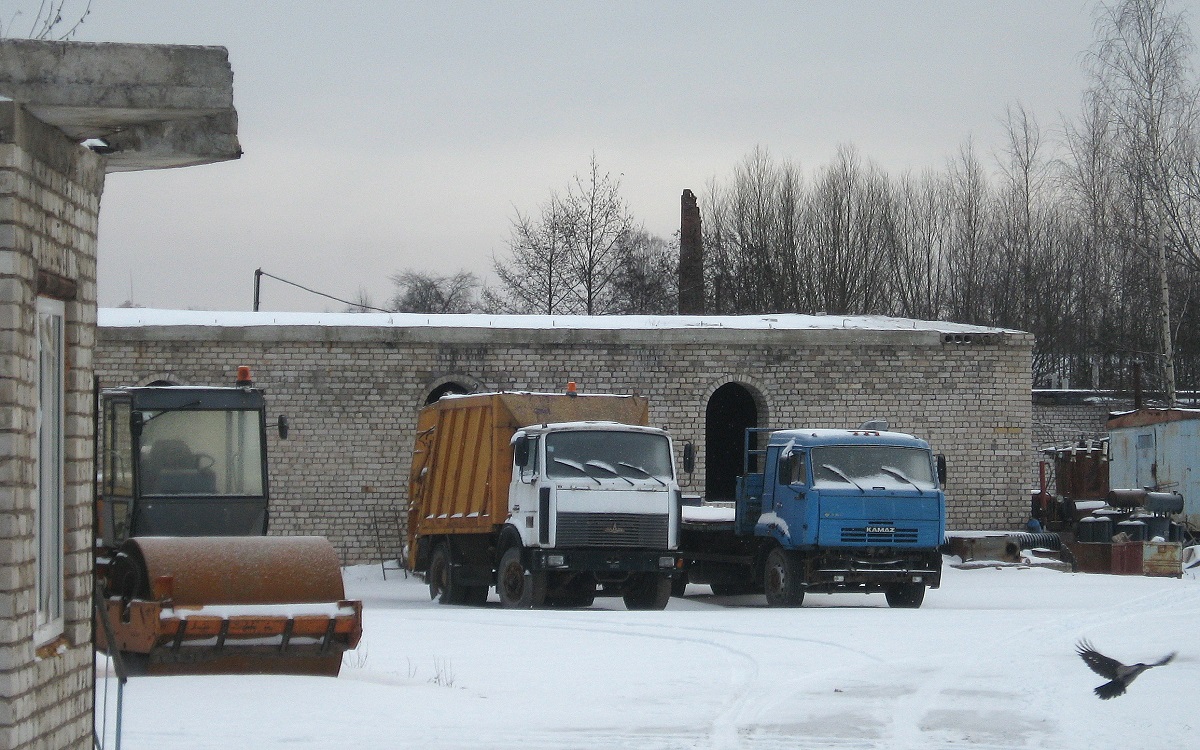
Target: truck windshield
201,453
605,454
872,467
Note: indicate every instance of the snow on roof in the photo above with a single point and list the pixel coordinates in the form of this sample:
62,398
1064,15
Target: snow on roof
826,436
1140,418
141,317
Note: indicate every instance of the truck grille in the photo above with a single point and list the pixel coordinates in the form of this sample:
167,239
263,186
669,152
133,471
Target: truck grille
878,534
611,530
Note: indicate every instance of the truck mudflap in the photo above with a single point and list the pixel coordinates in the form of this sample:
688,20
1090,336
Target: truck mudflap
605,561
870,570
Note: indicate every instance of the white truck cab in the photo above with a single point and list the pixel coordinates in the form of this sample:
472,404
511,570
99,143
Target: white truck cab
594,484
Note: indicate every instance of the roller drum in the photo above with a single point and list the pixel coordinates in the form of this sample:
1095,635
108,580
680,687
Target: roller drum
229,605
228,570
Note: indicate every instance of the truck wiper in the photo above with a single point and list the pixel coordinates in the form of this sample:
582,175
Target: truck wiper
843,475
577,467
899,475
641,471
609,469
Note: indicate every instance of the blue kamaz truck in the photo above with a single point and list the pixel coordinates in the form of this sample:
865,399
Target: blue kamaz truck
824,511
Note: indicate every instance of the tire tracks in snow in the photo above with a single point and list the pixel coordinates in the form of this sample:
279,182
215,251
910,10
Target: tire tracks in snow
725,729
944,669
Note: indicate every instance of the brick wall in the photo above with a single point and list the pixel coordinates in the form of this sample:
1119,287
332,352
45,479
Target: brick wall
1064,417
49,200
352,392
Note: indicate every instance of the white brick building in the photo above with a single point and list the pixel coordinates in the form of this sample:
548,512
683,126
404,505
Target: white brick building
351,386
60,94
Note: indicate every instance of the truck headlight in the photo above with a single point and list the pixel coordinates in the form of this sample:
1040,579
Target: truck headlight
556,561
666,562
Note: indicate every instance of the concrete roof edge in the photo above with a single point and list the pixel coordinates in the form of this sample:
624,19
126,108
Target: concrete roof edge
154,105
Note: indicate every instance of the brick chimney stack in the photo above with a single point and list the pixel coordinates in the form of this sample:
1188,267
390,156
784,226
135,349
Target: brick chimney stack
691,257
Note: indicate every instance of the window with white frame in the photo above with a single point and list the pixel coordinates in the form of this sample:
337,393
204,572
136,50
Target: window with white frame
51,343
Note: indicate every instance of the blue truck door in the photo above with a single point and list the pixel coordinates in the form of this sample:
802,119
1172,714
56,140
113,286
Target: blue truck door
785,493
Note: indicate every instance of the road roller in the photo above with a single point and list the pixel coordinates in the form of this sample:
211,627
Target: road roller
191,583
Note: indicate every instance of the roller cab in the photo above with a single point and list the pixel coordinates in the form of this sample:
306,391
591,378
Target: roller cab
181,461
190,582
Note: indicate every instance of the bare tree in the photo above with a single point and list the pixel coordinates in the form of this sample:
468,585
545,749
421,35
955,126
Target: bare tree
647,280
968,252
56,20
361,303
570,257
1143,84
421,292
601,223
850,217
536,277
921,236
752,239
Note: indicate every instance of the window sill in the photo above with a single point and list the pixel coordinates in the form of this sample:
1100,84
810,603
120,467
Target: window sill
54,647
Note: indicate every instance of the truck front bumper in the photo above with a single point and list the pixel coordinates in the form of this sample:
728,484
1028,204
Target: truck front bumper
871,570
605,562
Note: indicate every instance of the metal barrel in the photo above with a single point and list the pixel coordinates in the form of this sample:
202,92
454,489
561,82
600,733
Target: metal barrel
1158,526
1131,498
1136,530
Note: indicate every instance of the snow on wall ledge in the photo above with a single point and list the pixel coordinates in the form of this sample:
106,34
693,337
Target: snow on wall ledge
417,326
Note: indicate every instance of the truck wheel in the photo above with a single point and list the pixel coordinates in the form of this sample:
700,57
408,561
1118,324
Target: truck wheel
579,592
905,595
519,588
679,585
476,596
647,591
441,582
731,585
781,579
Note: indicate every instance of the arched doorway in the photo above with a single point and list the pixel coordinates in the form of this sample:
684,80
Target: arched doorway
730,411
445,389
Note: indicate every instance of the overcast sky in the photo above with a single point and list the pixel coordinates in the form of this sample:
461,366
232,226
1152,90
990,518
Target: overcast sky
381,136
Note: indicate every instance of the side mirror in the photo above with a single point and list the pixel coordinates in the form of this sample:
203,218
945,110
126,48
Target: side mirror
941,469
521,453
283,427
136,421
689,458
786,467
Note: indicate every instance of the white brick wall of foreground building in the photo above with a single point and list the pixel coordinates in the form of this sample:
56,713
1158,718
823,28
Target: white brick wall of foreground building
49,202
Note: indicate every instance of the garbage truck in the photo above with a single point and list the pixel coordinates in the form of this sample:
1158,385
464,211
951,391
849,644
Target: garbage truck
188,582
549,498
823,510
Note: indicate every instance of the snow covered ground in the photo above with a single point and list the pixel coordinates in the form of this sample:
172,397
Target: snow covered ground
988,662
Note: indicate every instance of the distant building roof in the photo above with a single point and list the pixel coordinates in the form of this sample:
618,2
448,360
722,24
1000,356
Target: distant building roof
1148,417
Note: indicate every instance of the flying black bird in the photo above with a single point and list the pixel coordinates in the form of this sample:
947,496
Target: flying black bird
1119,674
